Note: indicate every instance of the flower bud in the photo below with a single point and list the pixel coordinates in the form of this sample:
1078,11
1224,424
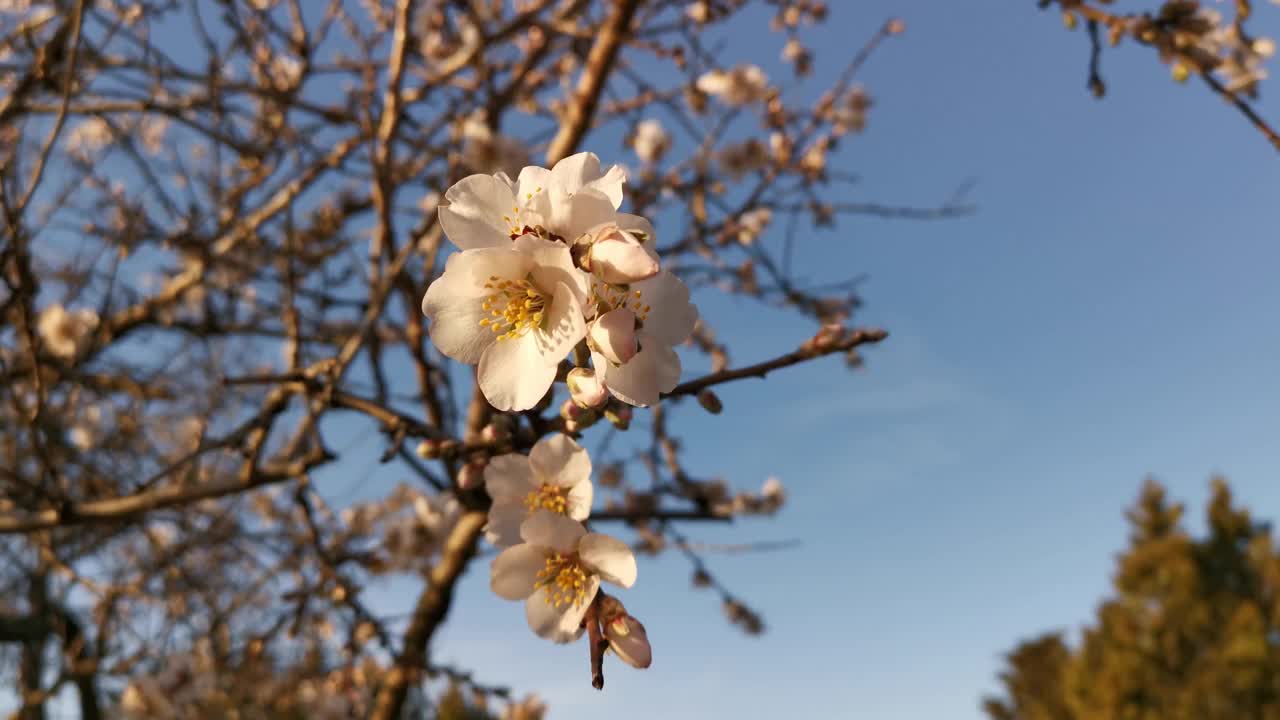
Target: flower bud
585,388
614,335
619,256
577,418
495,433
616,261
628,639
710,402
428,449
619,414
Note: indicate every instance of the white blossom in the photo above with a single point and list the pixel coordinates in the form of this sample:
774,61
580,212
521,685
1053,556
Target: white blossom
557,571
561,203
515,310
555,476
637,362
742,85
63,332
651,141
752,223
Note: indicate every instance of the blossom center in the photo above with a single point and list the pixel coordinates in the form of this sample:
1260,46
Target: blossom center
549,497
565,580
514,307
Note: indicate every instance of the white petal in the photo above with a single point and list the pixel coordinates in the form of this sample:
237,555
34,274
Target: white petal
473,217
614,335
515,570
558,460
637,224
609,557
580,497
611,185
505,518
455,327
552,530
453,301
575,171
559,625
670,317
573,215
628,639
513,373
619,262
653,371
551,263
562,326
509,477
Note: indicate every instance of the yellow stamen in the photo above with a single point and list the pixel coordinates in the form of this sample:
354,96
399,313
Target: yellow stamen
564,579
515,307
549,497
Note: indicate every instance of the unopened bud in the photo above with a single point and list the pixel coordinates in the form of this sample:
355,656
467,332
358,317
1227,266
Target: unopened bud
428,449
614,335
1069,20
1180,72
628,639
710,401
585,388
619,415
621,262
577,418
897,26
494,433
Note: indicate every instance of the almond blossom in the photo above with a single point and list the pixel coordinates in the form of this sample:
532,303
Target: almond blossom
742,85
557,572
559,204
651,141
633,336
555,476
63,332
516,310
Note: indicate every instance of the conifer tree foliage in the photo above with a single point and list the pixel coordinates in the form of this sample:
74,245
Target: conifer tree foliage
1191,632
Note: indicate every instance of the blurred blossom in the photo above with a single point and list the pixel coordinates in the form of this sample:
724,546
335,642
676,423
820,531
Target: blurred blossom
651,141
62,332
742,85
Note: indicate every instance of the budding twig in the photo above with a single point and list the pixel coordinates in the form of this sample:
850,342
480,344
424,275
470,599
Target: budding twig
597,642
759,370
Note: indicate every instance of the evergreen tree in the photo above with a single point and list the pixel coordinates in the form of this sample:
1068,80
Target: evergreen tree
1192,631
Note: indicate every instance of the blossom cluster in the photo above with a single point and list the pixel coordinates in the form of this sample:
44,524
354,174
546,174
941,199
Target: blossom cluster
549,559
548,266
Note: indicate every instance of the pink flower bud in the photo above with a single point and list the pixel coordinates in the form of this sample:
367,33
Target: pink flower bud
614,335
710,401
619,414
586,389
619,261
629,641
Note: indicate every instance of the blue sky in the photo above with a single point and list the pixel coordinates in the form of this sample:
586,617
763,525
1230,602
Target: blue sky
1109,313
